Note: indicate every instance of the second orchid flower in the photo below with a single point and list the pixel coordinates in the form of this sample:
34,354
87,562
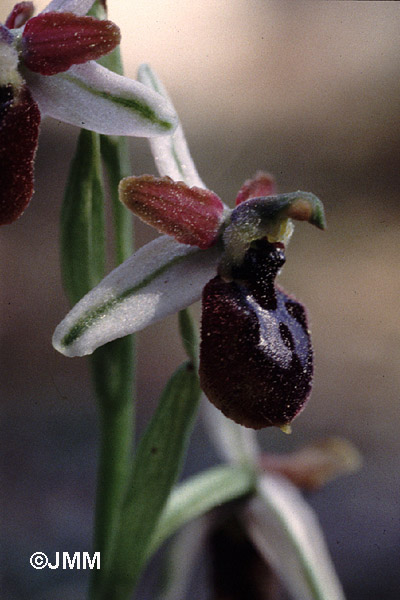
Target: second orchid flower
47,68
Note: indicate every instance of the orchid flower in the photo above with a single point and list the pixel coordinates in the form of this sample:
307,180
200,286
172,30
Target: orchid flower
256,355
47,68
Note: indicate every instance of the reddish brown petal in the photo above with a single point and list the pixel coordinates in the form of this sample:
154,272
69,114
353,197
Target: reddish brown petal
255,355
261,185
53,42
19,15
190,215
19,130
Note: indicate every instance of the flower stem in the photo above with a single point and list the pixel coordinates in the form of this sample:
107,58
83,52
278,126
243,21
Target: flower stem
115,154
112,368
189,335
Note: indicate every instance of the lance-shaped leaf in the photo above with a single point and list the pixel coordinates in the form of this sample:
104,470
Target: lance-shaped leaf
171,154
82,220
191,215
286,532
53,42
158,280
95,98
157,465
200,494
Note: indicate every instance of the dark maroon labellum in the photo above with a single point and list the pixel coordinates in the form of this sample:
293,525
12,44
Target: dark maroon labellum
256,359
19,131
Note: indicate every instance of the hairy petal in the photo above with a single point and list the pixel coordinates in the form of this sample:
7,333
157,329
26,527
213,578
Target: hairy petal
262,184
19,130
191,215
53,42
158,280
19,15
92,97
78,7
287,533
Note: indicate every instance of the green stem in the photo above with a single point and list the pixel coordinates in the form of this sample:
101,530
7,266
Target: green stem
189,335
112,367
113,373
115,153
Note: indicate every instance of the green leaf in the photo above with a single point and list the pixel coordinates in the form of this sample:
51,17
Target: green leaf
200,494
82,220
156,468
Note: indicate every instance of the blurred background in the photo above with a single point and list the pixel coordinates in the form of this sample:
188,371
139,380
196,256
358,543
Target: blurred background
309,91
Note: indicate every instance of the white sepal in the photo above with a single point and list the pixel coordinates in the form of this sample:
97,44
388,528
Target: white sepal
234,443
171,153
92,97
287,533
78,7
160,279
